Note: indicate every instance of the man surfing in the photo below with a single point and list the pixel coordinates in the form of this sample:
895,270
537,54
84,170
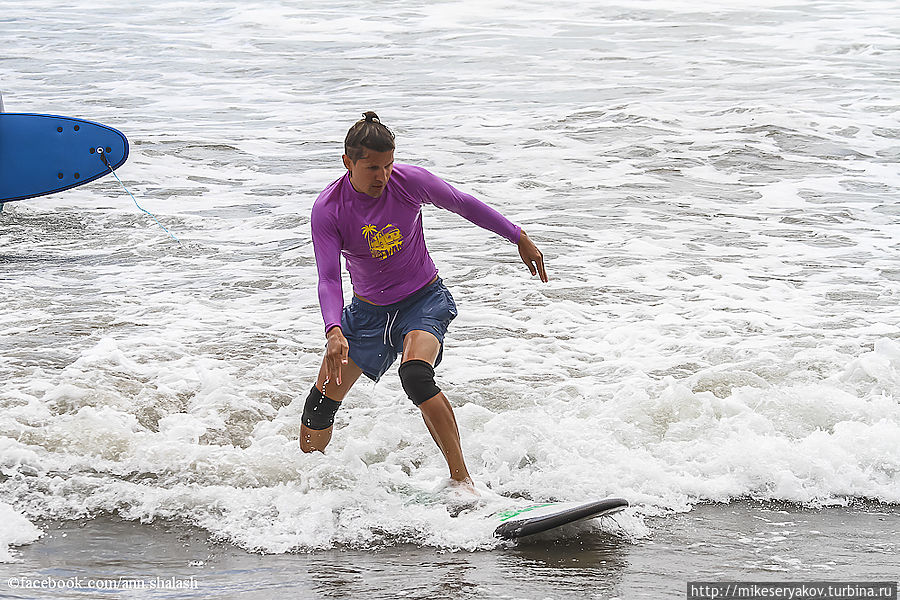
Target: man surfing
372,215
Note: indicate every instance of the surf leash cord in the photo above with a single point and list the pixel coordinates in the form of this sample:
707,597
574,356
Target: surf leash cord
102,155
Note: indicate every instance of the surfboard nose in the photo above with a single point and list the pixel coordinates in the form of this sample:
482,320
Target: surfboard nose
44,154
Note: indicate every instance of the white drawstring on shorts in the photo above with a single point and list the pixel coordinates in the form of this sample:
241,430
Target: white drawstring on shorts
389,322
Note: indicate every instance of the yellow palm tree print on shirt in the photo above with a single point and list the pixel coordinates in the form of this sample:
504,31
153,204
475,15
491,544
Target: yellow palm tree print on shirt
384,242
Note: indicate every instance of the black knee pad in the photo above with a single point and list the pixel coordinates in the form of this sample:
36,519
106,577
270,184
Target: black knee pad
319,410
417,377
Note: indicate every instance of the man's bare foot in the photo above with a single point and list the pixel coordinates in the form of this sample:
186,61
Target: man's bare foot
466,486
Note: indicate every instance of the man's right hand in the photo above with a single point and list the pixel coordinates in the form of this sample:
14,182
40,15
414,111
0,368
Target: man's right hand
336,354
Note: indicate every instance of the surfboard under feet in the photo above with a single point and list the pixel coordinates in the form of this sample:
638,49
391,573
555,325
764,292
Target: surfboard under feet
537,518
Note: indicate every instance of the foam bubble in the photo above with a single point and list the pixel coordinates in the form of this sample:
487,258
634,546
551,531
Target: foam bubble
16,531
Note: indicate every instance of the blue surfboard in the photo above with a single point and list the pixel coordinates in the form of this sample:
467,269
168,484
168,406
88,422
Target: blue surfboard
44,154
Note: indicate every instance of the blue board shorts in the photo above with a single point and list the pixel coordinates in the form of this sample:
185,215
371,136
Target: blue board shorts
375,333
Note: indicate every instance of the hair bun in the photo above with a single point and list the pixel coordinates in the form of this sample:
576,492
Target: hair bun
369,133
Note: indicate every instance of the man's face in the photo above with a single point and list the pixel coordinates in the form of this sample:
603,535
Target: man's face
369,175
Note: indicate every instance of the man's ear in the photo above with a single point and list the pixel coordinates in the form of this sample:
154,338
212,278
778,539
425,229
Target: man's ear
347,162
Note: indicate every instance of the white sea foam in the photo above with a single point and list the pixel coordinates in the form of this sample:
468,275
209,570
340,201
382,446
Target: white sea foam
16,531
715,194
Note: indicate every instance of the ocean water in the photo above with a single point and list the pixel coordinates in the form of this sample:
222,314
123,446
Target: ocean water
715,192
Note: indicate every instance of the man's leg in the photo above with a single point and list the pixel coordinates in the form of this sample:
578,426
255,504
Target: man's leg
436,411
317,439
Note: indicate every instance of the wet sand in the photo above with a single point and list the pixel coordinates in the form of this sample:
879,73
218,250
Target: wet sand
742,541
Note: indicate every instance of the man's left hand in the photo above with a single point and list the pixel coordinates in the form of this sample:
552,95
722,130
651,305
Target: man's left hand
532,257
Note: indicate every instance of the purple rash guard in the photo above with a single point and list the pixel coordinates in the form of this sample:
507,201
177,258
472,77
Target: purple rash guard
382,238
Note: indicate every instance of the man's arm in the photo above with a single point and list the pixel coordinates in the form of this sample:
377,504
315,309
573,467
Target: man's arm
443,195
327,248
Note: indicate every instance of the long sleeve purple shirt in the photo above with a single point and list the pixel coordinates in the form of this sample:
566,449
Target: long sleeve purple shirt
382,238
